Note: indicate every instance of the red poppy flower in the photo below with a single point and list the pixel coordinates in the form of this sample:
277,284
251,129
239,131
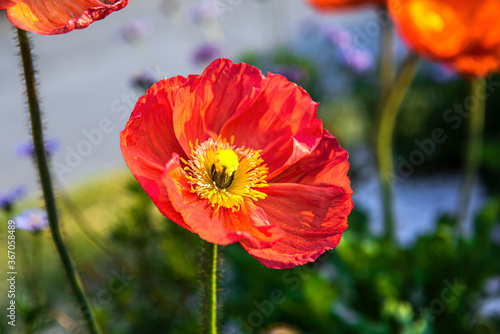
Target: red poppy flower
53,17
238,157
462,33
338,4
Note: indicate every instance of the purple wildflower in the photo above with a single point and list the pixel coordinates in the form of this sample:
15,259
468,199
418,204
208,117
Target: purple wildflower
292,73
26,149
338,36
358,61
354,58
144,79
32,220
204,11
205,53
9,198
136,30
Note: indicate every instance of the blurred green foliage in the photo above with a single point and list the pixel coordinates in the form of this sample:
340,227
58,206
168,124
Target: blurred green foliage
364,286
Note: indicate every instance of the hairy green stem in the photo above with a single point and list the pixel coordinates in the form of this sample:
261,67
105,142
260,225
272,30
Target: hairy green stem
211,288
46,182
473,148
384,140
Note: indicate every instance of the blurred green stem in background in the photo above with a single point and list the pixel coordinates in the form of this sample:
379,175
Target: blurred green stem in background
473,148
210,284
384,140
46,182
36,263
86,227
386,67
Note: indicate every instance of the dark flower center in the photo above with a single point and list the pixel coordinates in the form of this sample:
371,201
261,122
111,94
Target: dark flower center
222,178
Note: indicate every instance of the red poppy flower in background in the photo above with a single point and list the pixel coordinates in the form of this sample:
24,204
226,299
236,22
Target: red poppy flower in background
53,17
338,4
463,33
238,157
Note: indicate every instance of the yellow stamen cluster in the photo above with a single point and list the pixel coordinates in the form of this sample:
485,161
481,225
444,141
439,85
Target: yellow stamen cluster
224,174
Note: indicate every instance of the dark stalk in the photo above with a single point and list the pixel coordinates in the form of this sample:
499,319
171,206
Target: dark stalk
46,181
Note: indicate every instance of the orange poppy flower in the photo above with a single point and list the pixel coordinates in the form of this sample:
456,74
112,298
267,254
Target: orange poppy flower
337,4
238,157
53,17
463,33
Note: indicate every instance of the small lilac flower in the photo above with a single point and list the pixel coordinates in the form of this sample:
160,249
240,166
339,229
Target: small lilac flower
338,35
32,220
26,149
202,12
136,30
351,56
9,198
292,73
144,79
359,60
206,53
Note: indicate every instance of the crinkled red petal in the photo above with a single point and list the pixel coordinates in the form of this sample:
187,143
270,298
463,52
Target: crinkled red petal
282,122
235,100
208,100
60,16
148,142
4,4
310,203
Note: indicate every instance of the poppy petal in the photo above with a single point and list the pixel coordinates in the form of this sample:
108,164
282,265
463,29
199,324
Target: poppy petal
210,99
327,165
473,66
253,220
7,3
227,95
282,122
222,227
313,207
461,33
148,142
432,28
338,4
61,16
312,217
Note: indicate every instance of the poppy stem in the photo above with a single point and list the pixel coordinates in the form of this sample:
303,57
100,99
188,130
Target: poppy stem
384,140
473,148
211,288
387,72
46,182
